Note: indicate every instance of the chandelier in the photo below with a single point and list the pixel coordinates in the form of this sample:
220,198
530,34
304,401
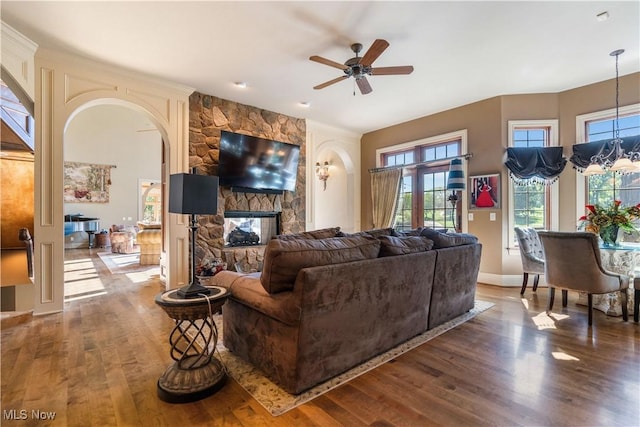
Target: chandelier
612,155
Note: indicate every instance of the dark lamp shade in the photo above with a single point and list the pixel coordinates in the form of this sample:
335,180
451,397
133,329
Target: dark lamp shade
456,176
193,194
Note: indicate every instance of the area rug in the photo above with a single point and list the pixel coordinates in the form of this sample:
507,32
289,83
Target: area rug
277,401
123,263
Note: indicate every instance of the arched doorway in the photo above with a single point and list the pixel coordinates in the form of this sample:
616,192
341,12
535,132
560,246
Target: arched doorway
108,150
66,85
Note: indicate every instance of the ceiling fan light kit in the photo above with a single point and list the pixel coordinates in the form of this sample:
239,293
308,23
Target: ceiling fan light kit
360,67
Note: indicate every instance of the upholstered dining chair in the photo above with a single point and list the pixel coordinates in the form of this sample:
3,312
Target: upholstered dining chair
532,256
572,262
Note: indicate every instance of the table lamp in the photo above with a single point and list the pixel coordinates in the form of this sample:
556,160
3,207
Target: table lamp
455,183
194,195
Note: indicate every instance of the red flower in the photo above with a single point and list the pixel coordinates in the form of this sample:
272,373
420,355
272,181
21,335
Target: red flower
617,203
591,208
583,218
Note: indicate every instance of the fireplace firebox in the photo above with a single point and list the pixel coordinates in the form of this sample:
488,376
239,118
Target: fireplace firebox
250,228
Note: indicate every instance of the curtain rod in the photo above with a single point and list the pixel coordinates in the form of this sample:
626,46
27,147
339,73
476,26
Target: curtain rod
430,162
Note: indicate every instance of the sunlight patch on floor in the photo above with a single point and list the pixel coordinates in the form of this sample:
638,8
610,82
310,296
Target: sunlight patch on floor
545,320
126,260
143,276
81,280
561,355
84,296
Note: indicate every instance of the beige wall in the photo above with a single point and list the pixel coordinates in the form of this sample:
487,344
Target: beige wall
339,204
487,123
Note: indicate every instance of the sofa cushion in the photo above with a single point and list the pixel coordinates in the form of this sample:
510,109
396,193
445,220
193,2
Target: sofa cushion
446,240
401,245
413,232
416,231
247,290
370,233
149,225
283,259
323,233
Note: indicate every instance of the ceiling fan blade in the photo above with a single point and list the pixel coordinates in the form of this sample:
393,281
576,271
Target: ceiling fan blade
330,82
386,71
328,62
364,85
374,51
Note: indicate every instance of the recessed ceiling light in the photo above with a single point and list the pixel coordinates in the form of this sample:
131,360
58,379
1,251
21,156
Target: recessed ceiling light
241,85
305,104
602,16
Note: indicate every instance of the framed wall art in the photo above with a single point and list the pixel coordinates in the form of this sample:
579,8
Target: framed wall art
86,182
485,191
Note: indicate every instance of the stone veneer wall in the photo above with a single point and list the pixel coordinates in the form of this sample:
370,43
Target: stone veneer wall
209,115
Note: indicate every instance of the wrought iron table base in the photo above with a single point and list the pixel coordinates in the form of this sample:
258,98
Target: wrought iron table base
195,373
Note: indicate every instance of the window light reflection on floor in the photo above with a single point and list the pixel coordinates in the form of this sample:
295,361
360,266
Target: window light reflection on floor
561,355
548,321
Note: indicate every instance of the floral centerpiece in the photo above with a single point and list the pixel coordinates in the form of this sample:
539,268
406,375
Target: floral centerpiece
209,267
607,220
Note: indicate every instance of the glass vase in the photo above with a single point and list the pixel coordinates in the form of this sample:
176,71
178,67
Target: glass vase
609,235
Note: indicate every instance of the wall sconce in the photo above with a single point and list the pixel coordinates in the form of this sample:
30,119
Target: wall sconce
322,172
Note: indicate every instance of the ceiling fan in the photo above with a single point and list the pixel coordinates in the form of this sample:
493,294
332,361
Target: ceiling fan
360,67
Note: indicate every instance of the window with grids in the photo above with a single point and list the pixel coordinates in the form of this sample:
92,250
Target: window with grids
531,205
423,196
530,201
604,189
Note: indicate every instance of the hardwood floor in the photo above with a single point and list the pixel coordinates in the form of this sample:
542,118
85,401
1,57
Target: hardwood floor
97,364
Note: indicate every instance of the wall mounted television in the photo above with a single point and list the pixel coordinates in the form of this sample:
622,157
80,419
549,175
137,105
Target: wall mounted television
252,164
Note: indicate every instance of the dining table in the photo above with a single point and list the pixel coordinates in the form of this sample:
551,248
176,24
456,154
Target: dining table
622,258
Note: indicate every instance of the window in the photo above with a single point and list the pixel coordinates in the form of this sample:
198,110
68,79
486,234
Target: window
404,213
437,212
603,189
530,205
151,201
423,196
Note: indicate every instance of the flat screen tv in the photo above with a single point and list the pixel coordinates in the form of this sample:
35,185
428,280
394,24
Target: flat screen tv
249,163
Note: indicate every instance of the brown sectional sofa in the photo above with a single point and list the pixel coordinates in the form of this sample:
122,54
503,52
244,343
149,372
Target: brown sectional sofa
323,305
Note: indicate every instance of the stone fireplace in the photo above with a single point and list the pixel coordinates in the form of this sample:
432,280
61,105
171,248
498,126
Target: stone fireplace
208,115
247,228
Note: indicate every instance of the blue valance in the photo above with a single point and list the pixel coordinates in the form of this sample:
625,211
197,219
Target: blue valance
540,165
582,153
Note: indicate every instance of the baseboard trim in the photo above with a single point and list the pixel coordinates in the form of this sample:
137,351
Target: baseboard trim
507,280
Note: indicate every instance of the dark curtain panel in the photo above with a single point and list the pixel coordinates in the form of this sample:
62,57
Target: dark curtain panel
535,164
582,153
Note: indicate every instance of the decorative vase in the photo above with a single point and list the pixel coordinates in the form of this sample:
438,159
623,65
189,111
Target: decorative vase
609,235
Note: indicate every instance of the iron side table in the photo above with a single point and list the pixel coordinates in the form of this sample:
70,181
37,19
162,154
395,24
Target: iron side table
196,373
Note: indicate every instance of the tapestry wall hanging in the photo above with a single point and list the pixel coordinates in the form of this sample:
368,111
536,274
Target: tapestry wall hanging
485,191
86,182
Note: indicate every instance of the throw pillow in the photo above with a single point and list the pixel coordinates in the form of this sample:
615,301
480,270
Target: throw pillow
370,233
445,240
323,233
414,232
394,245
283,259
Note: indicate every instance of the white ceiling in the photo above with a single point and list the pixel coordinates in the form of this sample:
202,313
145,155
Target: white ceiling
462,51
